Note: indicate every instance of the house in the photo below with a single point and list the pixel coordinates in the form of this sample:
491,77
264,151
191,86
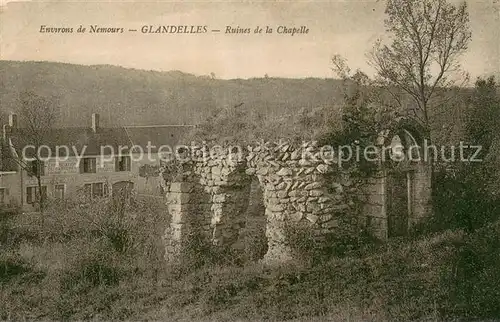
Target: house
8,178
82,161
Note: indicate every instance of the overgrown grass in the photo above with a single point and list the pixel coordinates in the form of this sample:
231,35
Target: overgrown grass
74,268
81,253
402,280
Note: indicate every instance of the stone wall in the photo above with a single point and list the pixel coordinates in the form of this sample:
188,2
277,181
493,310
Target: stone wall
208,197
299,188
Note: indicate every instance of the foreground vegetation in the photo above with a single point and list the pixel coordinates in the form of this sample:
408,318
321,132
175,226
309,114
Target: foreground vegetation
93,261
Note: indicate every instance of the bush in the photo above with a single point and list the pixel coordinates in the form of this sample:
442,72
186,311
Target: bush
243,125
11,266
7,235
89,272
476,291
462,199
314,249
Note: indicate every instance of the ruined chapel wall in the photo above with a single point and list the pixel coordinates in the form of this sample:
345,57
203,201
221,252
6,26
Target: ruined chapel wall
297,190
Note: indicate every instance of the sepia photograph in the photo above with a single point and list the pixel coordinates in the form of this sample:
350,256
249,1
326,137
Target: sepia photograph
250,160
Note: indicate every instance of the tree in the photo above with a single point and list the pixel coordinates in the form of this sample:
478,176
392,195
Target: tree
366,112
427,39
465,195
483,115
38,115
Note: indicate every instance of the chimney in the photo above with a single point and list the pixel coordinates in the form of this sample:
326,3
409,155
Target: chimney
95,122
1,156
3,144
13,121
6,132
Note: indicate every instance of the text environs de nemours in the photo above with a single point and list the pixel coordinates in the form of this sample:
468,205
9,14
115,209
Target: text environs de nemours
82,29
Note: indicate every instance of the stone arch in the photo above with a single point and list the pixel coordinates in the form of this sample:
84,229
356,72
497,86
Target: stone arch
231,195
252,240
398,195
230,199
239,188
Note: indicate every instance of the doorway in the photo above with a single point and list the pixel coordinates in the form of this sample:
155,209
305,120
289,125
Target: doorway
398,203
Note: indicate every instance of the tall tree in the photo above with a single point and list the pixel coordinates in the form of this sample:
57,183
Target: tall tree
427,37
483,114
466,194
37,114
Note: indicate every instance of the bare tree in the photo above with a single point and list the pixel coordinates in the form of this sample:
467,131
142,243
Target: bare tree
340,67
37,115
427,39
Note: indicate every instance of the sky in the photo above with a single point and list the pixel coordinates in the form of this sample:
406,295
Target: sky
348,28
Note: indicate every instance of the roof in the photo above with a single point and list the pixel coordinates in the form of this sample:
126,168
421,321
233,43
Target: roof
105,141
157,135
7,163
81,141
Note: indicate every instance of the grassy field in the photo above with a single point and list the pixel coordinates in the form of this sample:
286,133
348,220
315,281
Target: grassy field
91,261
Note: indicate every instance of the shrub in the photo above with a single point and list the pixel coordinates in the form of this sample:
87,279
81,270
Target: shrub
89,272
475,291
11,266
243,125
462,198
314,249
7,234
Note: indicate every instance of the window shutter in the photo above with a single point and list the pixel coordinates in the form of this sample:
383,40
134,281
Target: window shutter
117,164
88,190
29,196
128,163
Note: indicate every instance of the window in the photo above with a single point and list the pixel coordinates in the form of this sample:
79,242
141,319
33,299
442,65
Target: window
87,189
59,191
397,149
2,196
36,168
96,190
32,194
122,163
88,165
412,146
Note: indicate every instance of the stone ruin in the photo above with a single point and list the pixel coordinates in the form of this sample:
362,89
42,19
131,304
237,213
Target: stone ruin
209,196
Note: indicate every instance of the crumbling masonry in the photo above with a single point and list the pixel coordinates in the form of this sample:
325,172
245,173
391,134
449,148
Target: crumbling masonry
209,196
